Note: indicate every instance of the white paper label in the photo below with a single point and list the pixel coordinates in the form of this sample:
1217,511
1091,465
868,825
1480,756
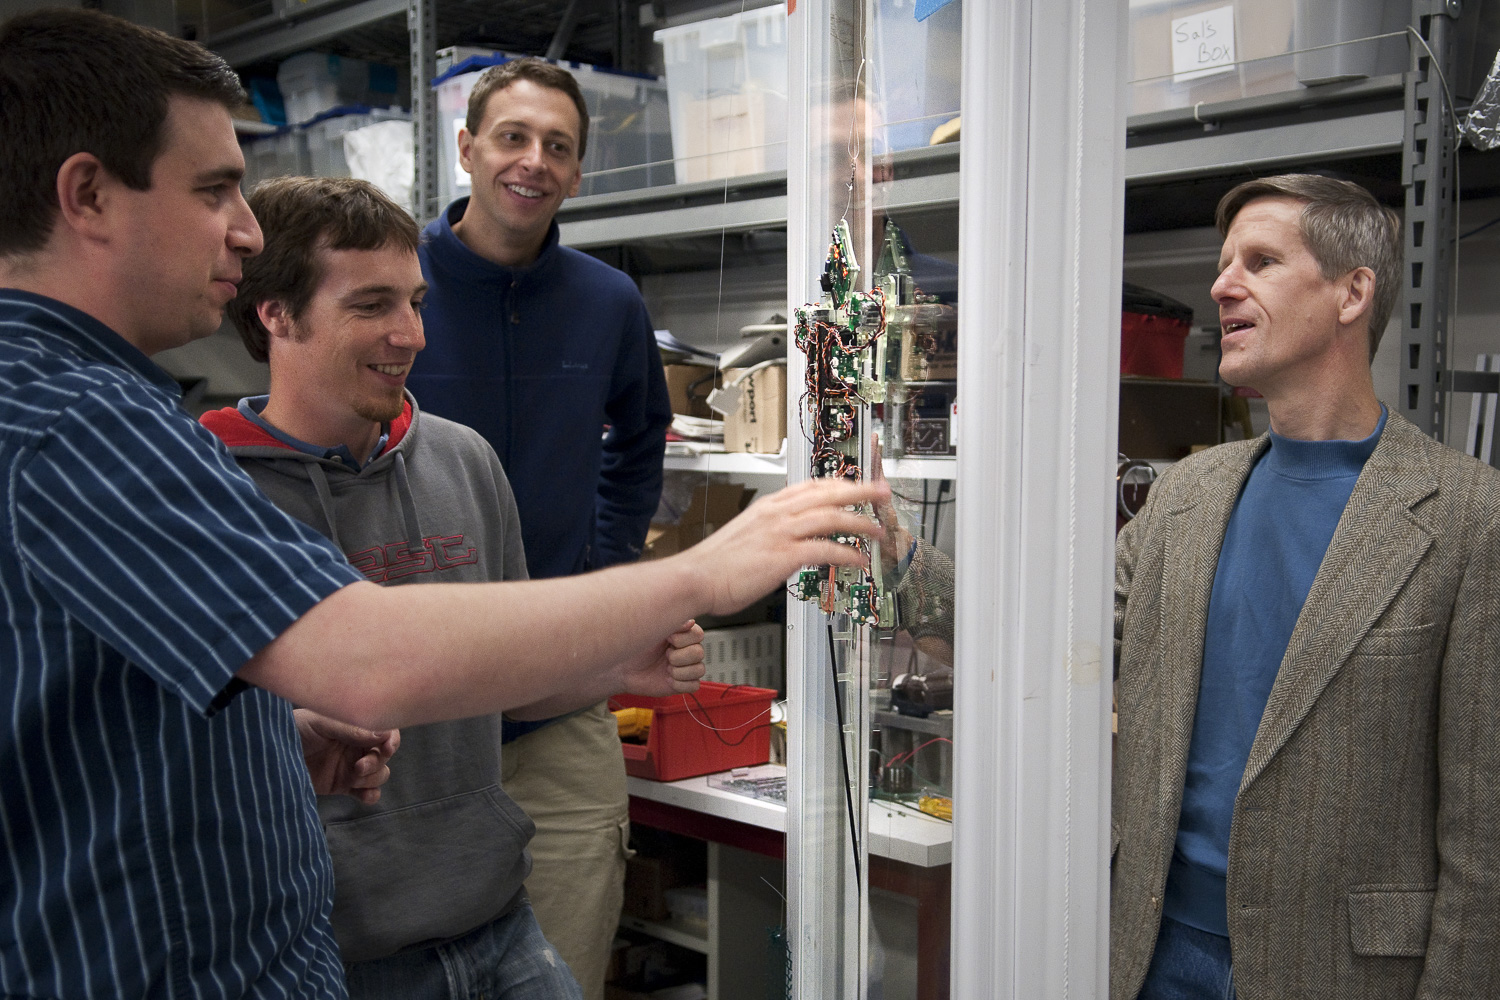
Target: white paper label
1203,44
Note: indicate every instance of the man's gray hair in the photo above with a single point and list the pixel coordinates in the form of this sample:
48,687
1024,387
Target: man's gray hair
1343,226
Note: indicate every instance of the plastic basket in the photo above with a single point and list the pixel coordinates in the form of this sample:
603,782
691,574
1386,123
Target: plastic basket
717,728
1153,332
727,89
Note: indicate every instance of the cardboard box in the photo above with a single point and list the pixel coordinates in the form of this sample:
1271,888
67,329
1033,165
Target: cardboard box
712,506
1262,29
646,883
688,387
759,425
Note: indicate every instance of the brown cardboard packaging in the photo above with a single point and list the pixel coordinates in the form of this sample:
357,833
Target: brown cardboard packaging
646,883
712,506
759,425
700,380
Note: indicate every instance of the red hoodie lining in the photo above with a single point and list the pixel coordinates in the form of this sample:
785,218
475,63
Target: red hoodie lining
238,431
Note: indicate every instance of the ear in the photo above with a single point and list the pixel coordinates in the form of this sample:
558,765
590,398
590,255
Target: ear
1356,295
465,143
276,319
577,180
85,193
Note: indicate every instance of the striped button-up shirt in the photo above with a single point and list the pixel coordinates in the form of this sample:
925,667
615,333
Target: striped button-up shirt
160,833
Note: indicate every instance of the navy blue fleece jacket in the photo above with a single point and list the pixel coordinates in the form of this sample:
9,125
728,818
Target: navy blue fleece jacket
539,359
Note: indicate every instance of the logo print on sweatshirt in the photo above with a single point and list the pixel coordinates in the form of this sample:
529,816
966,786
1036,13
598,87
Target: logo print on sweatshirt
384,563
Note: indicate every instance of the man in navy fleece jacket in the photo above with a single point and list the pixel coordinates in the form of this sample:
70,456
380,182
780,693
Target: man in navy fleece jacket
539,348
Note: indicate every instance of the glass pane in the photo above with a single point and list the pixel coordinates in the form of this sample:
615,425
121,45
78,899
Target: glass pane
880,345
913,96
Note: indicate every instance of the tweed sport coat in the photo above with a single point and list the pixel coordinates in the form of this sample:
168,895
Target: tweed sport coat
1364,854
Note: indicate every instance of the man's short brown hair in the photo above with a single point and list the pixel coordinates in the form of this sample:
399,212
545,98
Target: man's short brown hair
78,81
1343,226
539,72
301,216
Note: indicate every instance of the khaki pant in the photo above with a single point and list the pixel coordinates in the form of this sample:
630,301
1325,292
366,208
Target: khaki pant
569,777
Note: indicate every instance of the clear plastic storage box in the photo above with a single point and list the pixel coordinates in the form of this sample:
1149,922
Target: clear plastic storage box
630,138
312,150
312,83
726,83
281,154
1183,54
325,138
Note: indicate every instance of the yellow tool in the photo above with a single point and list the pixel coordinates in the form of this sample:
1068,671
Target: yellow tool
633,723
936,805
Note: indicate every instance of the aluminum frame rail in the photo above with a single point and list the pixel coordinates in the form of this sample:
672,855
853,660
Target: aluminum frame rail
1040,253
421,23
825,919
1429,163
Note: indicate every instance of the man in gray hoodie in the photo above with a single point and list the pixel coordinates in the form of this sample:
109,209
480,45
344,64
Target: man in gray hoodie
428,897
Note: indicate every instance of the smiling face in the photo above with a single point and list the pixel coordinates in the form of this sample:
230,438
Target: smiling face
523,159
1279,316
178,246
339,367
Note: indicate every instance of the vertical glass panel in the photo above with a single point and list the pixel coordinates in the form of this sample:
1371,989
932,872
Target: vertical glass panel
913,96
880,350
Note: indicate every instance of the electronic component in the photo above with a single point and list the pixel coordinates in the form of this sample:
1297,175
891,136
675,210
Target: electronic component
846,371
922,694
766,782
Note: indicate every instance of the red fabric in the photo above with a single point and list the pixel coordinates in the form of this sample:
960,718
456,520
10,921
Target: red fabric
230,426
235,430
1151,345
399,427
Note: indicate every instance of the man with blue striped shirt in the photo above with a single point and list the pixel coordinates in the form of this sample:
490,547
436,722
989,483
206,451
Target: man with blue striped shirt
160,832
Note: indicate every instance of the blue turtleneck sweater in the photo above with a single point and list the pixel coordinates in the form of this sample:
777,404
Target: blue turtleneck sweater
1275,541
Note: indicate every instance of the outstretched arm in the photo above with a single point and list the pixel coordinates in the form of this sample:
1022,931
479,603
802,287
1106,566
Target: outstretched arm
672,666
382,657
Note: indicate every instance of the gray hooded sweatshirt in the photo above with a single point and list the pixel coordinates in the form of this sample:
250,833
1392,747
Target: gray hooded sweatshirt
444,850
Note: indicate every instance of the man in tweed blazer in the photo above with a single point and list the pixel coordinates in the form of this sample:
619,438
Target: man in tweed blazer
1352,798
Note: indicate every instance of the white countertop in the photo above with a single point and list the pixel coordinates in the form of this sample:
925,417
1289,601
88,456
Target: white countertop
896,832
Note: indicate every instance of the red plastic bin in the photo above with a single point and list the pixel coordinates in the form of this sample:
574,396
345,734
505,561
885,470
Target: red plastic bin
720,727
1153,332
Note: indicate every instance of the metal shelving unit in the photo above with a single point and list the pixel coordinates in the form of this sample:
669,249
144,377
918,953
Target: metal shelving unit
1394,132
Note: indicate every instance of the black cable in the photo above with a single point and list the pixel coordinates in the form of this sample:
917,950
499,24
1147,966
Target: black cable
914,500
1480,229
748,732
838,707
925,526
937,509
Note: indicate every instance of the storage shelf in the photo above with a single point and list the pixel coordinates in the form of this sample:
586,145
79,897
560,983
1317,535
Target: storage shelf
743,463
377,29
1346,121
896,833
921,468
923,178
670,931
